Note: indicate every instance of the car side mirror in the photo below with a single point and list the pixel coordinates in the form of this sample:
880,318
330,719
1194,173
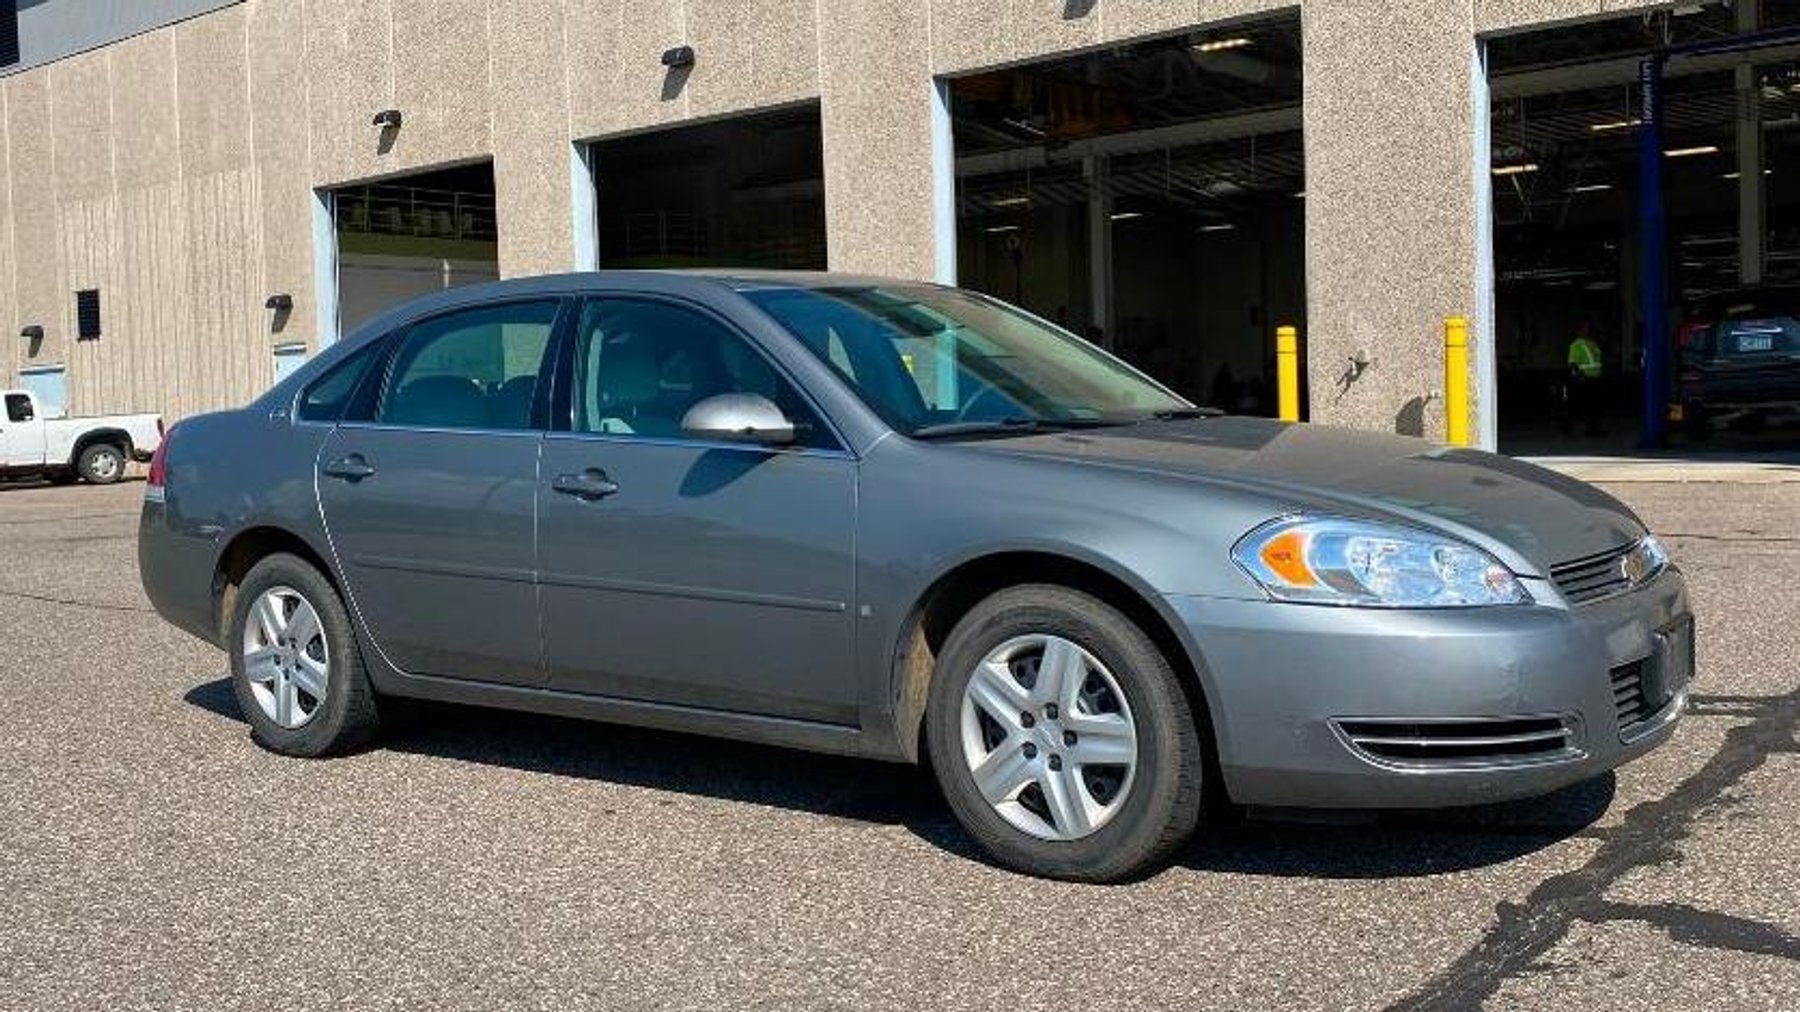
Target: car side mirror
739,418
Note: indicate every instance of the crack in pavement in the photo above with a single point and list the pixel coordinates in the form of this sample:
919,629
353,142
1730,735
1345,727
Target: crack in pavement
25,595
26,521
1734,539
1523,932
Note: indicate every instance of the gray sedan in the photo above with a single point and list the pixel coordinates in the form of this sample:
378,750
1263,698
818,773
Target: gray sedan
906,522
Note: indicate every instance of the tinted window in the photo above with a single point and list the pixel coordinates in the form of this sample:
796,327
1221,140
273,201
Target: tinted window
18,408
640,365
473,369
923,356
329,396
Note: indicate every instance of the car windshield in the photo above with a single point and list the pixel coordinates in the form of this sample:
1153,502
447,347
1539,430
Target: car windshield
938,361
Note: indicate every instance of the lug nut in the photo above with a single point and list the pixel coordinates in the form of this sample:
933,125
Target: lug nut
1030,751
1055,762
1069,738
1050,711
1027,719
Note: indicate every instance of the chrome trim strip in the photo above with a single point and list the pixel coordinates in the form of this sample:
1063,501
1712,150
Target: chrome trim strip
694,593
508,574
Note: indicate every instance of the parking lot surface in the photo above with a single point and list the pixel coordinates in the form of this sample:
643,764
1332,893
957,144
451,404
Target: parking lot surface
151,856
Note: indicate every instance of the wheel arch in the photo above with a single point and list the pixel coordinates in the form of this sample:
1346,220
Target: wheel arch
117,437
243,552
952,593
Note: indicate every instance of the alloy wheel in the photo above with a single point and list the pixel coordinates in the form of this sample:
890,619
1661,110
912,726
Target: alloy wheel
1049,737
287,659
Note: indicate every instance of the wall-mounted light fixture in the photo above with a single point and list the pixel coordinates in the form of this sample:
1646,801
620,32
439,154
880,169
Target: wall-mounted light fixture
678,56
388,119
281,303
32,332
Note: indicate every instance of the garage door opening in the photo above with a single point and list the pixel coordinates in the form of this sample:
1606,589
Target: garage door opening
1571,236
1149,197
411,235
748,191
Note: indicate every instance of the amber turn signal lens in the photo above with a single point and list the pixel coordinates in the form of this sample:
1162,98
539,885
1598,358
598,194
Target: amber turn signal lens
1285,555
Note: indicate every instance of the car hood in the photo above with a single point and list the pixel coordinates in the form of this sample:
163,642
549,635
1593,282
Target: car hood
1535,515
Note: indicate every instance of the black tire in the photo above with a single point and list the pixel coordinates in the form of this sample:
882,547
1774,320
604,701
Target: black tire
347,717
101,464
1163,805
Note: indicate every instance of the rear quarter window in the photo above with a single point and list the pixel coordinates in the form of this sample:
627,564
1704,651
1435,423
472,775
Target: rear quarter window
330,397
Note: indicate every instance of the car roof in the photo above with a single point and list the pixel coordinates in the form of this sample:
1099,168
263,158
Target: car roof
737,279
666,282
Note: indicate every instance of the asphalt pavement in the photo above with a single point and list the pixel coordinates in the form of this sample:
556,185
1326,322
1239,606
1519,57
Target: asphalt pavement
152,857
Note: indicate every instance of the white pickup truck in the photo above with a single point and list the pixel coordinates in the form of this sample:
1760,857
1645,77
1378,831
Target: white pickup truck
41,443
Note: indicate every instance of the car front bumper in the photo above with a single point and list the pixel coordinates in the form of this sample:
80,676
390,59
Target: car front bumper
1322,707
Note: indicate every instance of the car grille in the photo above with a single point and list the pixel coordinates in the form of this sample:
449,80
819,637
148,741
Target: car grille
1593,577
1460,741
1633,705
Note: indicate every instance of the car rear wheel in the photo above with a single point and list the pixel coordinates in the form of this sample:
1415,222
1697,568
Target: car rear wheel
101,464
295,666
1062,738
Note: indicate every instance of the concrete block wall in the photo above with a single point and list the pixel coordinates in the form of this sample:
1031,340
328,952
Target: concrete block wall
176,169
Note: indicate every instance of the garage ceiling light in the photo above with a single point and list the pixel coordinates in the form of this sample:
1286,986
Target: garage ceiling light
1591,188
1009,202
1617,124
997,229
1515,170
1735,175
1702,149
1127,215
1220,45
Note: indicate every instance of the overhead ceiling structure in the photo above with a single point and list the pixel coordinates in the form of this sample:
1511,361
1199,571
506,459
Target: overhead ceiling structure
1207,122
1565,149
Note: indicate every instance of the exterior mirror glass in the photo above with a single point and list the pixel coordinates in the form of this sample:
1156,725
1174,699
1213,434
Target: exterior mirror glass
739,418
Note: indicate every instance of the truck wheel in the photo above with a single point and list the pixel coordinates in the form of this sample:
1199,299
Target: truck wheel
101,464
295,666
1062,738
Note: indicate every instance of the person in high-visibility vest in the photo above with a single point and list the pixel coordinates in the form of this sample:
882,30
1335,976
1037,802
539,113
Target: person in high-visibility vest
1582,390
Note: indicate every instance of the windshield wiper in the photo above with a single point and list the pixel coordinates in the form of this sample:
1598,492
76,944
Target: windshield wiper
1178,414
1017,425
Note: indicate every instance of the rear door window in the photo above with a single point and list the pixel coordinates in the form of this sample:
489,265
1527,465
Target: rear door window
475,368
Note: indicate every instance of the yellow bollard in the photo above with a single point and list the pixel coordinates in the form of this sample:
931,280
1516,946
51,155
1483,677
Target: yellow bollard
1287,373
1456,380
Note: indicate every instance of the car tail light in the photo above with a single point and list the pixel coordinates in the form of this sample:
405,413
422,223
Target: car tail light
159,464
1691,334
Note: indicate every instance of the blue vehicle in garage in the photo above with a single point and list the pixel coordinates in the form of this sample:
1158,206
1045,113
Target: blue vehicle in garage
905,521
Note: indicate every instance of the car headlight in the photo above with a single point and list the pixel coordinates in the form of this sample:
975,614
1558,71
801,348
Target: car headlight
1327,560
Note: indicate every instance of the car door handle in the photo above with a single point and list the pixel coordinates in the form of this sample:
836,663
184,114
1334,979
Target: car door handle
351,468
589,485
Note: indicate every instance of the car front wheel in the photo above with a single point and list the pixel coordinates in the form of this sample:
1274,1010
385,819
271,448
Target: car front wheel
295,666
1062,738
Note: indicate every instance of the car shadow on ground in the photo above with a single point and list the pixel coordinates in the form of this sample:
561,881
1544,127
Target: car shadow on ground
1380,846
